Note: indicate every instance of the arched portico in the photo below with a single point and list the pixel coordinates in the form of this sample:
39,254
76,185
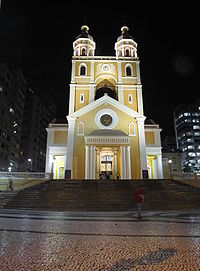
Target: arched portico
107,151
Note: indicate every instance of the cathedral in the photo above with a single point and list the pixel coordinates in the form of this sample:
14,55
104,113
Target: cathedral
107,134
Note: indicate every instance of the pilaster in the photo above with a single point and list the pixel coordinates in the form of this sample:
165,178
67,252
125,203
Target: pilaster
70,144
142,145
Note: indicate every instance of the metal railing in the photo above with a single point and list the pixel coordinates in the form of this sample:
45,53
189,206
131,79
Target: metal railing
24,175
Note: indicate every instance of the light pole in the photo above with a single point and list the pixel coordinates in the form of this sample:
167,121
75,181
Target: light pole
30,161
170,166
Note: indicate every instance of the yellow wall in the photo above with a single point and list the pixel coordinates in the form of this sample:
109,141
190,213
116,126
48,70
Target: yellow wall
78,104
149,138
99,71
123,65
78,63
89,121
132,105
60,137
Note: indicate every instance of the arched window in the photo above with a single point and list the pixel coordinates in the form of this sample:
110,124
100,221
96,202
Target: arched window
80,129
81,98
127,52
82,69
131,129
83,52
128,71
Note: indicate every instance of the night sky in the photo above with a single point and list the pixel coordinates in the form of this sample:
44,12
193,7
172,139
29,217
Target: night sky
38,36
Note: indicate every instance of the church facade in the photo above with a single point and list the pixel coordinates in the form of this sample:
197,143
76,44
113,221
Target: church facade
107,133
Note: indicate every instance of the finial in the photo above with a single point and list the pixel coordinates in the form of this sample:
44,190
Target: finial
124,29
85,28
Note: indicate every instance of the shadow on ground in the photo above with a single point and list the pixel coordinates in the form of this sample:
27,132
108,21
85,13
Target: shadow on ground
151,258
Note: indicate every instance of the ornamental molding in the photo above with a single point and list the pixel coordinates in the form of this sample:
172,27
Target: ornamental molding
104,67
111,140
104,112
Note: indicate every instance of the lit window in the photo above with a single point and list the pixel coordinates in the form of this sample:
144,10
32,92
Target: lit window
191,154
191,147
130,98
11,110
81,98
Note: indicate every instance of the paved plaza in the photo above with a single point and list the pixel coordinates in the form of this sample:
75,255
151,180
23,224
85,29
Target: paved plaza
99,241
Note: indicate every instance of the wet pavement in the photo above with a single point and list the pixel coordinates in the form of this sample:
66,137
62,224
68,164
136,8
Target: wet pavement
111,241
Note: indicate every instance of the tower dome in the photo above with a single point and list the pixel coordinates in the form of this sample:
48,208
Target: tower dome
84,44
125,45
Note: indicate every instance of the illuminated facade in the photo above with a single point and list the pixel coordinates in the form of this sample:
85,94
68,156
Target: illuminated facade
106,131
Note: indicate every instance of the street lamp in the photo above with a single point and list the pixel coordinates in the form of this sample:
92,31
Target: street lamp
30,161
170,166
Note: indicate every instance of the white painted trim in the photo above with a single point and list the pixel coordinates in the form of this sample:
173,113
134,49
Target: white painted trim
72,98
91,93
120,94
87,165
119,67
140,100
138,72
106,99
73,71
105,140
70,144
110,112
142,145
129,129
92,71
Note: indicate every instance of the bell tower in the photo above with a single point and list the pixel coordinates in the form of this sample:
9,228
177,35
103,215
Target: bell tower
82,75
125,45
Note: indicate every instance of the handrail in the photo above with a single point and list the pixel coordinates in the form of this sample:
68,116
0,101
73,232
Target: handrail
24,175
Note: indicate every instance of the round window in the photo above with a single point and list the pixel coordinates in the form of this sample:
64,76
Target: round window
106,120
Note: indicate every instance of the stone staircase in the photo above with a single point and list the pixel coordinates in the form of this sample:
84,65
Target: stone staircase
92,195
6,196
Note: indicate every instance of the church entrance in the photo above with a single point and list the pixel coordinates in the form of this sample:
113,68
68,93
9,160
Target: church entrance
107,163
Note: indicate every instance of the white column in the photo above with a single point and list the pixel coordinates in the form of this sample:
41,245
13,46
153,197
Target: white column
115,164
120,94
50,136
87,162
72,98
73,71
128,163
92,71
123,162
92,84
142,144
119,68
160,168
92,162
91,93
98,163
139,99
70,144
138,72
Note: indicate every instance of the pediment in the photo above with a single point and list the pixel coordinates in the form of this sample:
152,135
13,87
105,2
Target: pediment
106,100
